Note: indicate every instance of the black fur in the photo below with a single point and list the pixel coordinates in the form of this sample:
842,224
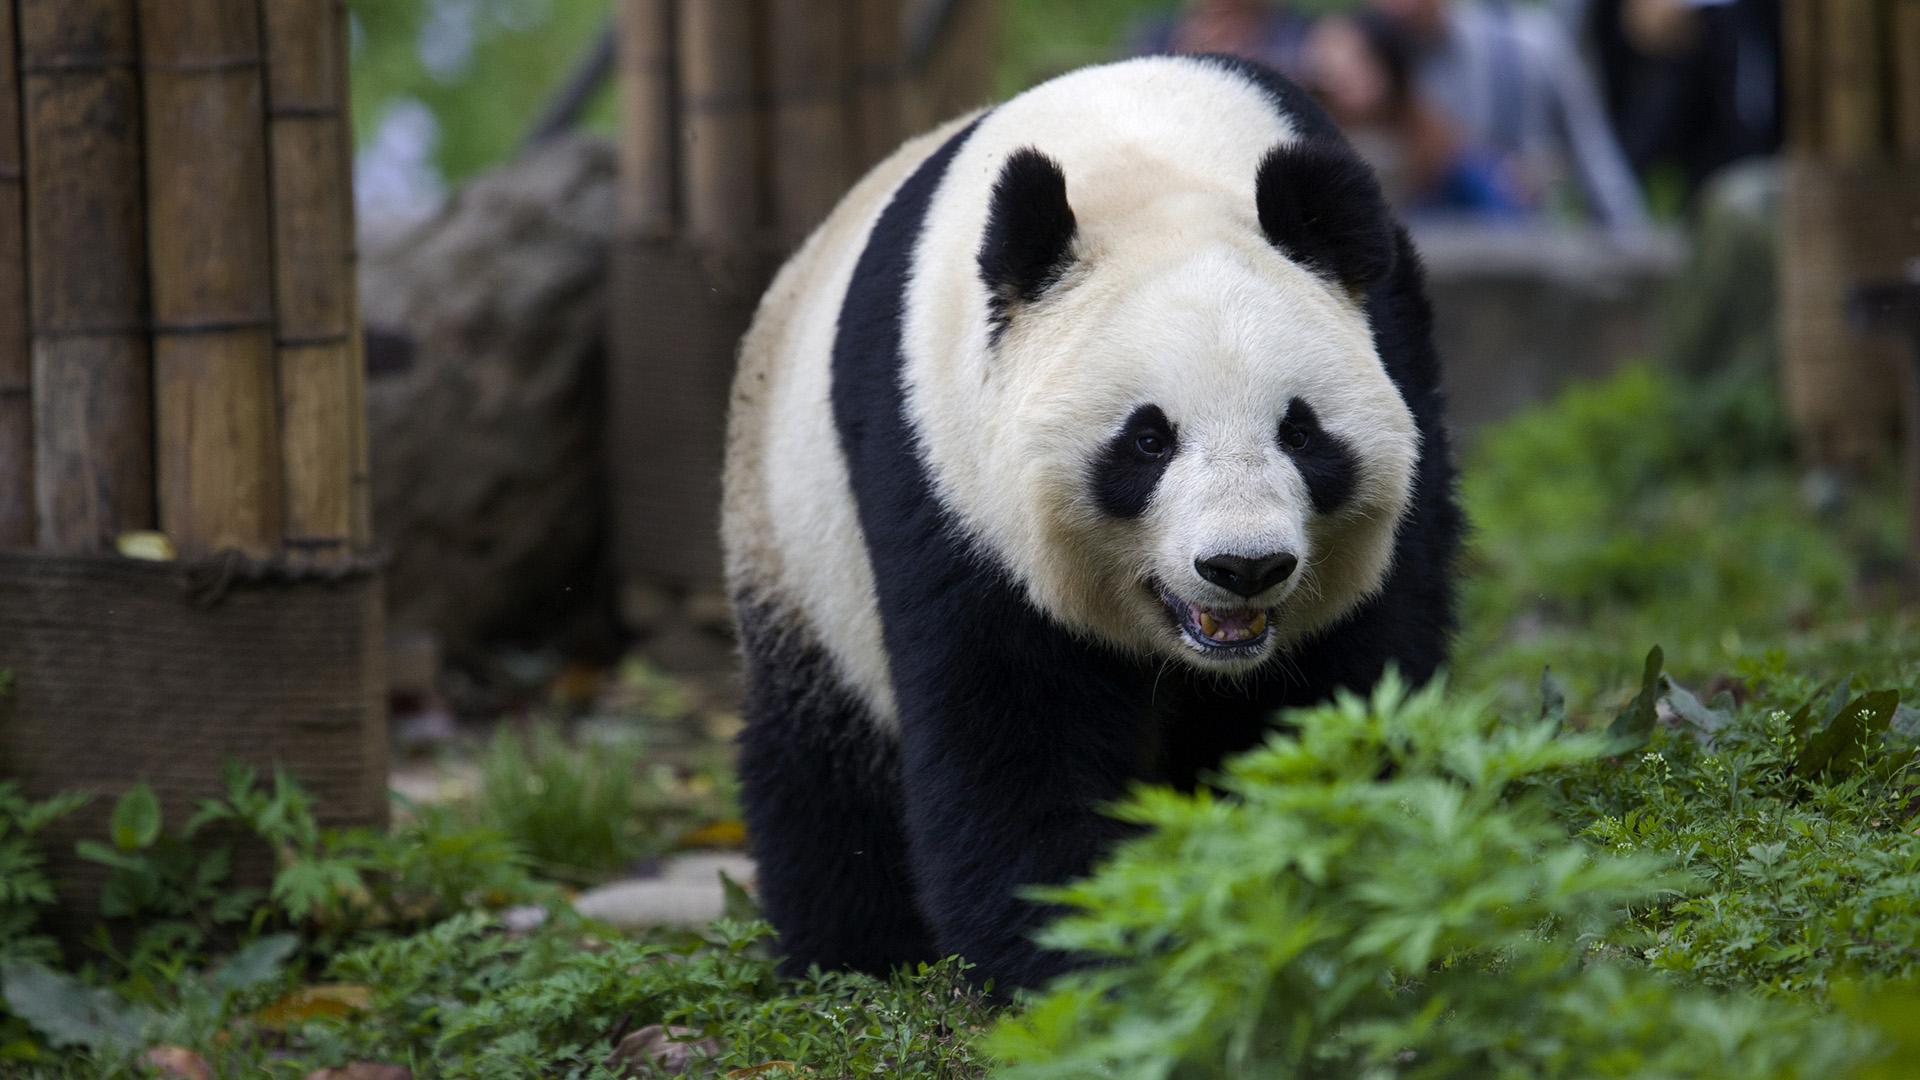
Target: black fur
1124,478
1013,733
839,887
1325,460
1319,204
1028,242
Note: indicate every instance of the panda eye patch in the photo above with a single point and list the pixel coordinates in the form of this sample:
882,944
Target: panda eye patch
1325,460
1129,469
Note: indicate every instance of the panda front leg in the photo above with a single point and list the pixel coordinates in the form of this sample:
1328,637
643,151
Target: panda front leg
1013,738
823,812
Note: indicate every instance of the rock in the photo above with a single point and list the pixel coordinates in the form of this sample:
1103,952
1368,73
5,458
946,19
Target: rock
486,436
686,893
658,1048
705,867
633,905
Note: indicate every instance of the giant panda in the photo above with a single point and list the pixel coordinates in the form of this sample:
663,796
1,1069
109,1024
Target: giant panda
1086,433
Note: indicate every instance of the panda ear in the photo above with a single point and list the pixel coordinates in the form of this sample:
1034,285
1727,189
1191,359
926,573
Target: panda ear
1028,242
1320,205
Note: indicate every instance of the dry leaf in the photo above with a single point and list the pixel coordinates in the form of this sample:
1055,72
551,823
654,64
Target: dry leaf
176,1063
658,1048
148,546
313,1003
715,834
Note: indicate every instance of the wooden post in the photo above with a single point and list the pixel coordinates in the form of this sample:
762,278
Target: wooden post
16,359
1849,214
1851,68
1906,77
879,42
208,238
720,160
1801,59
648,162
86,272
808,82
313,274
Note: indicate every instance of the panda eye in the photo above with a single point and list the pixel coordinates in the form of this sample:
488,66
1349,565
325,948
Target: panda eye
1295,437
1150,444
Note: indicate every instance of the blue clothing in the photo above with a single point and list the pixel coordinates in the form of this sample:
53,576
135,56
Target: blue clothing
1283,41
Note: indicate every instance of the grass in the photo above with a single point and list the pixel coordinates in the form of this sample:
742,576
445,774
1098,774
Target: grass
1707,865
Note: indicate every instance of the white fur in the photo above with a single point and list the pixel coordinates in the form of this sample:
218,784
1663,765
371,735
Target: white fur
1175,299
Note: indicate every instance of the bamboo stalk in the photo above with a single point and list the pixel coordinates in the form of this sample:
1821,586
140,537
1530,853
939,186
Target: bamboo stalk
1906,68
313,273
86,272
879,52
208,235
647,159
1801,45
361,508
719,169
808,79
16,358
1851,61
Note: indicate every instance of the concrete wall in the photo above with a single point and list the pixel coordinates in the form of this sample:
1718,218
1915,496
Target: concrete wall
1521,311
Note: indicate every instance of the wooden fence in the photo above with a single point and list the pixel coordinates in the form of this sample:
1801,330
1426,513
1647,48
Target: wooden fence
181,379
1851,214
744,123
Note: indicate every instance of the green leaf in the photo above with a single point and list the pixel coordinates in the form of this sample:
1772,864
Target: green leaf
67,1011
136,819
1685,705
1840,747
256,965
95,851
737,902
1634,725
1553,699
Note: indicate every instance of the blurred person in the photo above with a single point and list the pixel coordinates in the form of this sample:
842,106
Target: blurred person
1690,84
1513,79
1263,30
1361,67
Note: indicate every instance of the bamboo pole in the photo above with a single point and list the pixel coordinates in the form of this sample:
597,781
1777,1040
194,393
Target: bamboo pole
879,84
1850,62
1801,44
313,274
1906,70
647,159
86,272
16,358
361,507
719,166
811,134
208,235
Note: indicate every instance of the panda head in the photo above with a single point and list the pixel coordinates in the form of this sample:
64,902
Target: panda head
1212,459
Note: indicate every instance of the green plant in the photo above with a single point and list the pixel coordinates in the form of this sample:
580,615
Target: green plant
1381,894
464,998
586,809
1795,811
1650,506
25,889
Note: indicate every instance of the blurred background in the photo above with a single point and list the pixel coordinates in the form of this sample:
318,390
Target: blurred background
1671,244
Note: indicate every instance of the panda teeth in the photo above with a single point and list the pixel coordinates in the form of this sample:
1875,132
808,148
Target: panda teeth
1208,626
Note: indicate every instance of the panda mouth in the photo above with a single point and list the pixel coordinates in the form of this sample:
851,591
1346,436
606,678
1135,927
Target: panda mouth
1226,631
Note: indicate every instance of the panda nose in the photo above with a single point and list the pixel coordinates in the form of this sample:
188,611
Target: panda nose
1247,576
